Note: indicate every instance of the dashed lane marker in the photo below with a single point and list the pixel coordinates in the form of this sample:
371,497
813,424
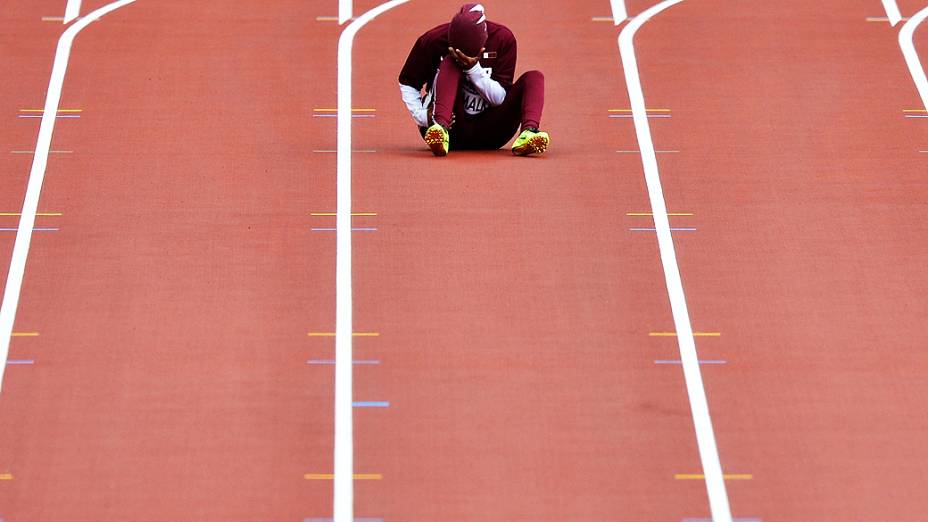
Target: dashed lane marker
701,361
42,111
34,229
331,362
356,151
726,476
333,214
50,152
672,229
37,214
651,214
357,229
331,476
741,519
39,113
327,112
674,334
362,519
355,334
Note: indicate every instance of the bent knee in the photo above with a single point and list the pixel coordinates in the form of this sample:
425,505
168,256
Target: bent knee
533,76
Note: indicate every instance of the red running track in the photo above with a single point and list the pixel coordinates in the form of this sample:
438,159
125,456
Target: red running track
512,302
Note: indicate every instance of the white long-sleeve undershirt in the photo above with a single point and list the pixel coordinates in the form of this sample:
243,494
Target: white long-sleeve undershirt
490,89
413,101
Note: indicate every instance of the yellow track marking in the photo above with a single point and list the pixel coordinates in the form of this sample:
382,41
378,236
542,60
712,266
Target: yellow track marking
6,476
914,110
695,334
356,334
330,476
696,476
50,152
25,334
651,214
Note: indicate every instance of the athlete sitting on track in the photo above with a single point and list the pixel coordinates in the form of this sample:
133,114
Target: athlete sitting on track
466,68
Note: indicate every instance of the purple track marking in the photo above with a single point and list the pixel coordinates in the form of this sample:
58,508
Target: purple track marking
365,229
73,116
702,361
367,519
681,229
34,229
336,115
331,362
733,520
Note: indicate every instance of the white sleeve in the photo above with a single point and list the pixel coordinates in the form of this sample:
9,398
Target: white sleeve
489,88
414,104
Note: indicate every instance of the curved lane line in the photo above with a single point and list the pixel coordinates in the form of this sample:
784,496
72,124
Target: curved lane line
907,43
14,280
343,485
699,406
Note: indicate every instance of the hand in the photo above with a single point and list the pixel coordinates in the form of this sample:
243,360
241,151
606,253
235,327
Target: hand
464,61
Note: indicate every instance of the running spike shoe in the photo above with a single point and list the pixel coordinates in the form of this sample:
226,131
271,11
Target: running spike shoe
436,137
531,141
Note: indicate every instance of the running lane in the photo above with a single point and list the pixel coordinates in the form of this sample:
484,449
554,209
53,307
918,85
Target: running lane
28,38
513,303
807,186
170,378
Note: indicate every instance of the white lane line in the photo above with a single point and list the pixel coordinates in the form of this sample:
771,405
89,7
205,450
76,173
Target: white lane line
72,11
907,44
345,8
892,12
699,406
619,12
343,482
14,280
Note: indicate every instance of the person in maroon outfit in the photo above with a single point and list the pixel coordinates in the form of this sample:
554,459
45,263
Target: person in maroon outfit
458,86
